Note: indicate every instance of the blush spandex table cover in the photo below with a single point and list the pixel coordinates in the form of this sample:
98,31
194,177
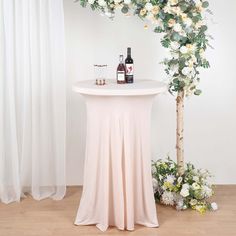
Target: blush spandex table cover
117,188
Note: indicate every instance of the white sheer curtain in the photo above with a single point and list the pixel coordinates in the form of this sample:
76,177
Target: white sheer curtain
32,99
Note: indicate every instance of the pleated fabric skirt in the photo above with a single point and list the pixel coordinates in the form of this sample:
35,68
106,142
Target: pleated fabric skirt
117,185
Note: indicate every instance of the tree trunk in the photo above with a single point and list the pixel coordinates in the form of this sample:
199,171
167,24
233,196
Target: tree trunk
180,132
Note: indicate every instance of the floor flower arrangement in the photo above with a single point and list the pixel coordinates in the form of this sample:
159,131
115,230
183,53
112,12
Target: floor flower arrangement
190,190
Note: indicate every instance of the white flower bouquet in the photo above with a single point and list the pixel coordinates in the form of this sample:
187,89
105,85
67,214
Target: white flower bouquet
190,190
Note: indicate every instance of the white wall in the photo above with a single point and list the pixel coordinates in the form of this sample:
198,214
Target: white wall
210,120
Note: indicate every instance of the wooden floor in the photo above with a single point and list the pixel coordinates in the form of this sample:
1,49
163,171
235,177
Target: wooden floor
48,217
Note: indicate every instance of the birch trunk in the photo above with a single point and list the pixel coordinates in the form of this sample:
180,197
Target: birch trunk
180,132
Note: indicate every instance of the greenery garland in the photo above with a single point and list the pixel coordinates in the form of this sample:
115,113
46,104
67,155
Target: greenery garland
184,34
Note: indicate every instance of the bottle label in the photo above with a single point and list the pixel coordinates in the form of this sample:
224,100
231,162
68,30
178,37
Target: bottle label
120,76
129,69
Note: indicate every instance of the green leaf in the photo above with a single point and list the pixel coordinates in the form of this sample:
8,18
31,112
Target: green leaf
159,30
183,6
181,84
175,80
204,28
197,92
165,42
93,7
162,15
83,3
205,4
196,18
205,64
175,37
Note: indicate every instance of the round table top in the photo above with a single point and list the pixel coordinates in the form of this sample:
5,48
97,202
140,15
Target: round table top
111,88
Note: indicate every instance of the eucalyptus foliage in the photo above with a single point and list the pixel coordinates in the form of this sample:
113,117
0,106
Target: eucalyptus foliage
184,32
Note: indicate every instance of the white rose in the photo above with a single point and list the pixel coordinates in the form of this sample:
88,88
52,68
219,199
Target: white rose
91,1
207,191
196,178
184,50
148,6
177,10
193,202
149,16
199,24
174,69
199,6
175,55
191,47
188,22
174,45
177,27
184,192
197,1
109,14
117,1
182,33
194,59
101,3
192,73
173,2
186,70
214,206
127,2
185,186
202,53
167,9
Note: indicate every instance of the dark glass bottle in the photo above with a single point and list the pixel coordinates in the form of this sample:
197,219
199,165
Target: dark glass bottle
129,64
120,73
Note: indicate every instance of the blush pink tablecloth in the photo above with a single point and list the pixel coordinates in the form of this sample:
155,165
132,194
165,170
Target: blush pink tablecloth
117,188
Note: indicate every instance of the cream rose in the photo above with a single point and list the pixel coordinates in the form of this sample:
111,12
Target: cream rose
184,192
155,10
102,3
171,22
177,27
188,22
173,2
184,50
143,12
127,2
91,2
148,6
174,45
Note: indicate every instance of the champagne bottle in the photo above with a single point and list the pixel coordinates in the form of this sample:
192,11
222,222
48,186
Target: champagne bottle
129,64
120,73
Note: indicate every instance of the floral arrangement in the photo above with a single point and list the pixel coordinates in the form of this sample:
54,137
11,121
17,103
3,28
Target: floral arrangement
190,190
184,29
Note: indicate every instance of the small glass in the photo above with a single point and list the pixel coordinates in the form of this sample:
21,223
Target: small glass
100,72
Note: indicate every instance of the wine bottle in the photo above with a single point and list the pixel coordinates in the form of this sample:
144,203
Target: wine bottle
129,64
120,73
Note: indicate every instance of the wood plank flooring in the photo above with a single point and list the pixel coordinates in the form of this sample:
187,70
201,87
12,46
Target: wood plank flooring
49,218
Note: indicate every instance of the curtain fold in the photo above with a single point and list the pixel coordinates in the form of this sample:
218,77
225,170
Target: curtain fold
32,99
